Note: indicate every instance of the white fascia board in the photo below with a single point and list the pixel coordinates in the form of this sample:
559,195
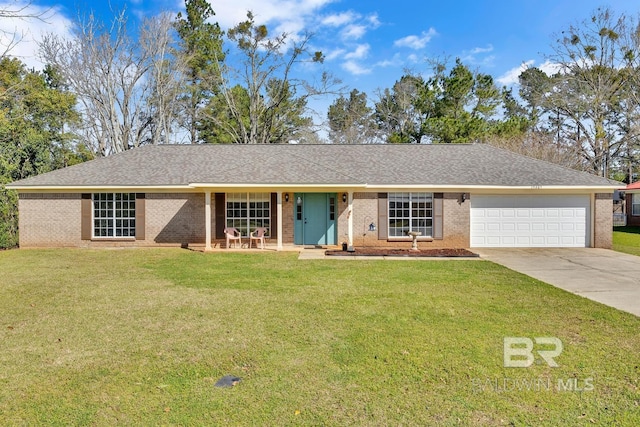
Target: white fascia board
94,188
281,187
499,188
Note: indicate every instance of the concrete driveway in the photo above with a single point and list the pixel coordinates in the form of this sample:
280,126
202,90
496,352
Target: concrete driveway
606,276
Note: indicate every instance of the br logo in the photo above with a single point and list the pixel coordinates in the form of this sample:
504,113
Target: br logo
518,351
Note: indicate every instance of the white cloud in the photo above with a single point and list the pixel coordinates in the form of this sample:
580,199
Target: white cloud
510,78
396,61
361,51
286,13
478,50
413,58
340,19
355,68
22,35
416,42
354,32
374,21
334,54
550,68
471,56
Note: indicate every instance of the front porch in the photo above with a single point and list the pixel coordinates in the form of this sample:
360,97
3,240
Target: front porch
295,219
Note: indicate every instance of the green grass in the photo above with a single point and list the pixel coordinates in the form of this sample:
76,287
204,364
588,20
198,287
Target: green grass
122,337
627,239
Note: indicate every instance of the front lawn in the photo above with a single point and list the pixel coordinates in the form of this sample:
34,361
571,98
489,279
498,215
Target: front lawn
627,239
139,337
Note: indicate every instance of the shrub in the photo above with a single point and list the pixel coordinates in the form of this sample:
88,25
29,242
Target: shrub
8,218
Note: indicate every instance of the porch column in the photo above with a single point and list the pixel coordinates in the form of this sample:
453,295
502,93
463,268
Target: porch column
279,221
207,220
350,217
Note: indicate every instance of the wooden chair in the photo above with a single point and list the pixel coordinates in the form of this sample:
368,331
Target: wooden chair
233,235
258,235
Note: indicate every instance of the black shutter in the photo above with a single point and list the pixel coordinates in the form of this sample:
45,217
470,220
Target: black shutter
274,216
383,215
220,208
86,206
140,216
437,215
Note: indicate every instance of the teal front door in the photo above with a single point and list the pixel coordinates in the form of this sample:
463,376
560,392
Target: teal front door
315,218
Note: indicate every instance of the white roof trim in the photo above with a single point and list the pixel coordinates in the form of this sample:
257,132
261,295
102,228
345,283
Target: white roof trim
54,188
497,187
338,187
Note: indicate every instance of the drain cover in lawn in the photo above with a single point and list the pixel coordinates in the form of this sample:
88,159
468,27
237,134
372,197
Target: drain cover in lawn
228,381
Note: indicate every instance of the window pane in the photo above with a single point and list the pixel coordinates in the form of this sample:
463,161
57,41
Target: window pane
111,213
635,204
248,211
410,212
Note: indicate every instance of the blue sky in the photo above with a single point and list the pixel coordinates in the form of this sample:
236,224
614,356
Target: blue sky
369,44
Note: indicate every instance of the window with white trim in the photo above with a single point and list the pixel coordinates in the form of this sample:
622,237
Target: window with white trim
410,212
635,204
114,215
248,211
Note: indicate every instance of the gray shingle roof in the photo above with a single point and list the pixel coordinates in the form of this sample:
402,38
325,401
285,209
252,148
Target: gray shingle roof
339,165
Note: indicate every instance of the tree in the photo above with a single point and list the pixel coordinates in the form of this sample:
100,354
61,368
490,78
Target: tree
125,86
201,50
459,106
591,102
396,114
265,70
35,117
351,120
17,11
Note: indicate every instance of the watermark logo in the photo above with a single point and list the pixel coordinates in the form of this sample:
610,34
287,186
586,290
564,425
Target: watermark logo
523,352
519,351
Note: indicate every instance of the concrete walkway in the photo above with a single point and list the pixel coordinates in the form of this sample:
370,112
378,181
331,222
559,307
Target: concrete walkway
606,276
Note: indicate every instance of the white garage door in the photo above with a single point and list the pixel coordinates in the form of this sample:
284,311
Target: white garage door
530,221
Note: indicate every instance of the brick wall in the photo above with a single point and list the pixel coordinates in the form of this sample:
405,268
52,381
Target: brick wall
365,211
632,220
603,221
287,221
171,219
456,221
49,220
54,220
176,219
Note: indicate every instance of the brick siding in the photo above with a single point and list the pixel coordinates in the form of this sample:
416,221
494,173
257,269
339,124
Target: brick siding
603,229
176,219
365,211
49,220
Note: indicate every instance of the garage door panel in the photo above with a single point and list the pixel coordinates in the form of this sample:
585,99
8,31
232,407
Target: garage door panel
529,221
493,226
508,226
553,226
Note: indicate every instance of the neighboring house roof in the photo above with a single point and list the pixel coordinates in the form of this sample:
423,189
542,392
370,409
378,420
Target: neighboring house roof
634,186
370,166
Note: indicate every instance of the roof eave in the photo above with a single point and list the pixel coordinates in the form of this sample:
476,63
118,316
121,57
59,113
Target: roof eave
91,188
312,187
